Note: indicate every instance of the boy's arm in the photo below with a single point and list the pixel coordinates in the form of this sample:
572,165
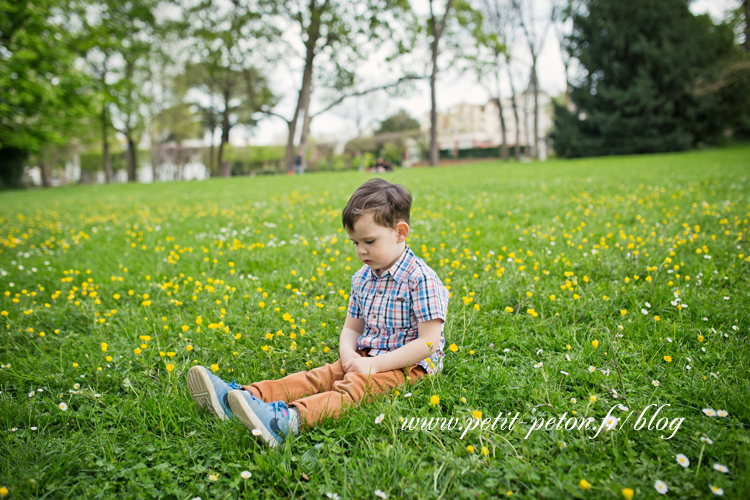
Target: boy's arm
409,354
353,328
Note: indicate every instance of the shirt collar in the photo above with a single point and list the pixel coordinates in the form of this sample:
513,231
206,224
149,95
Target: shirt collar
398,269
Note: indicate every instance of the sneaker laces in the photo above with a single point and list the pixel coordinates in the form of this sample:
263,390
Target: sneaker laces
234,385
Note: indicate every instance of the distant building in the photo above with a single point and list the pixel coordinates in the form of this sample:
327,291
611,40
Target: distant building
465,126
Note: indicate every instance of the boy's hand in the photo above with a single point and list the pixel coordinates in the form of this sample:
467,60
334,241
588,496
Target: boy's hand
347,355
362,364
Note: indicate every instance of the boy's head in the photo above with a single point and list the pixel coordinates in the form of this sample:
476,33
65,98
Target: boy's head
377,220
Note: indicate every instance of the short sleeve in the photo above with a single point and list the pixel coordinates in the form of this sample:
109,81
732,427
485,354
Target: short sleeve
355,310
429,299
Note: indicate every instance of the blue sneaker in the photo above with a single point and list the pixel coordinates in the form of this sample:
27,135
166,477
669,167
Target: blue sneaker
270,421
209,391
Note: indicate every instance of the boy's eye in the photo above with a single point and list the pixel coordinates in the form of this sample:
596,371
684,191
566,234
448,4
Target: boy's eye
370,242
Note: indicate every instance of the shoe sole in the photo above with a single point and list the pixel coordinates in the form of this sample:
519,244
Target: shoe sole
249,419
203,392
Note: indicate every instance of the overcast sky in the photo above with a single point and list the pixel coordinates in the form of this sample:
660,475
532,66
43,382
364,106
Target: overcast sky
452,88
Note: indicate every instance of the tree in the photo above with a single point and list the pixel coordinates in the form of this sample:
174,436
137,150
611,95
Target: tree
230,45
639,62
535,36
116,40
335,35
397,123
42,94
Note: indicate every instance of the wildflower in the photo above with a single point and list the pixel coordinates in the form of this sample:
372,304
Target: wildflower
706,440
104,347
610,423
622,407
623,312
538,365
716,490
63,406
592,399
573,400
75,365
595,343
213,477
470,449
170,367
256,432
214,368
668,359
463,399
245,474
485,451
661,486
453,347
721,468
435,400
700,338
655,383
627,493
31,394
109,359
722,413
76,386
379,418
380,494
137,350
407,395
476,414
709,411
584,485
333,496
3,491
189,348
592,369
683,460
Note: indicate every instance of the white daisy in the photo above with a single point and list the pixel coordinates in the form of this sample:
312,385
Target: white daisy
669,340
622,407
655,383
716,490
539,352
721,468
682,460
706,440
722,413
610,423
63,406
648,305
644,311
592,369
32,393
661,486
735,327
246,474
379,418
709,411
256,432
407,395
76,386
33,428
381,494
573,400
538,364
333,496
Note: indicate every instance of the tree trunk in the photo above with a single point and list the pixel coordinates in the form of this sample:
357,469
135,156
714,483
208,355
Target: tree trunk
131,160
514,105
434,152
211,154
536,106
105,147
503,130
44,169
303,101
225,168
302,150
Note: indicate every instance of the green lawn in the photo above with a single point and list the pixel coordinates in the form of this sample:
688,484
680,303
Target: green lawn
171,275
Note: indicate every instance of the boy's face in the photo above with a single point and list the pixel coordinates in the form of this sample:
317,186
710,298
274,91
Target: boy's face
378,246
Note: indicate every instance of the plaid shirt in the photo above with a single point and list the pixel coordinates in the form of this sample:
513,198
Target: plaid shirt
393,305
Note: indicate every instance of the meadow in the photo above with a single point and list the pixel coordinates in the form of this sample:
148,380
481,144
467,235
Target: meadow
605,288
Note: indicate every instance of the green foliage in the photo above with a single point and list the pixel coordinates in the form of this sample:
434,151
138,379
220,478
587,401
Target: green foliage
399,122
213,249
42,94
640,60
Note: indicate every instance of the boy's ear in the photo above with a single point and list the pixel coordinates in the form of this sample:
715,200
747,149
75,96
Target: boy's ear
402,231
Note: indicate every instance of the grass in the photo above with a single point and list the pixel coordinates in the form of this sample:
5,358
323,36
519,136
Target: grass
135,266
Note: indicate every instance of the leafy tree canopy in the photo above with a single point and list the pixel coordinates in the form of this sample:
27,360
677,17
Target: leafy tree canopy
398,122
639,62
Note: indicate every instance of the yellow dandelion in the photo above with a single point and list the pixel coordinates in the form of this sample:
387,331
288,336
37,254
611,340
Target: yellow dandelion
584,485
435,400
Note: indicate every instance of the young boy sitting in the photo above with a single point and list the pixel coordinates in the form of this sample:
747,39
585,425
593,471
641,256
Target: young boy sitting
393,332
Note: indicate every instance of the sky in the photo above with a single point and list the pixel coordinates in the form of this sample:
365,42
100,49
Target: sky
453,87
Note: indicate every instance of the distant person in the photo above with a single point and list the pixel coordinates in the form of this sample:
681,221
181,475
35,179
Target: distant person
393,332
298,162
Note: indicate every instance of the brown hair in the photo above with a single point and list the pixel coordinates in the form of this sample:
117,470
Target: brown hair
388,203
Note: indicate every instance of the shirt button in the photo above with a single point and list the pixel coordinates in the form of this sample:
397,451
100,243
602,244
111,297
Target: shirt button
381,292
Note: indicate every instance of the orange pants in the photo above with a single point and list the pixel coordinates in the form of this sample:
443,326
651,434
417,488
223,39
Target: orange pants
325,391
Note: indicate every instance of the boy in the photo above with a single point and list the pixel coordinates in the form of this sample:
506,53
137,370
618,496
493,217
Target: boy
393,331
